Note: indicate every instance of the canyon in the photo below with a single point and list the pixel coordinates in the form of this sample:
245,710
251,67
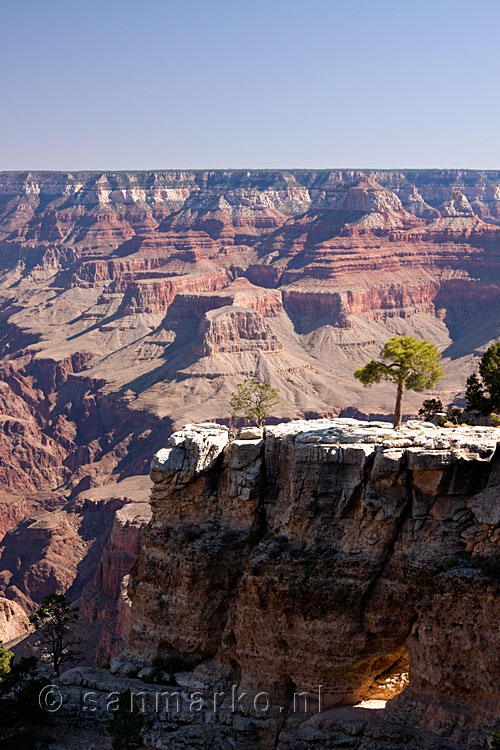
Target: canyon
327,563
132,303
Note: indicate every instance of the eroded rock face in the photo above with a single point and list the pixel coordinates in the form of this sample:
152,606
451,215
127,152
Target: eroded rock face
326,554
85,550
14,621
112,522
171,286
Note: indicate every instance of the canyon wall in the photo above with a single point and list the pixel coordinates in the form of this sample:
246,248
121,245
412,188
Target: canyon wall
170,286
133,302
327,553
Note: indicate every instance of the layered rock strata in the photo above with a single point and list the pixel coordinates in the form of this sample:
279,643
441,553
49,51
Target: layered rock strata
133,302
171,286
325,554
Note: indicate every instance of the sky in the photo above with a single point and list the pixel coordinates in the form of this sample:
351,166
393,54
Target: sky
201,84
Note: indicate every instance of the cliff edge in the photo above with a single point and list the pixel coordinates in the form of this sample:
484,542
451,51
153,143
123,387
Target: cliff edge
335,560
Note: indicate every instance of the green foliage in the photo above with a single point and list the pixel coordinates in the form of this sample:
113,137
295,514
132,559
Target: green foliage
489,568
126,724
495,741
19,673
5,662
254,400
474,393
483,388
453,414
53,620
430,408
408,362
19,704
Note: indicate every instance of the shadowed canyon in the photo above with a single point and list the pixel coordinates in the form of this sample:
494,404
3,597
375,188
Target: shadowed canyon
132,303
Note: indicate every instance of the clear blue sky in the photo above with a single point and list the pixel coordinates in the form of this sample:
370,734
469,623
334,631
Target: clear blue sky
142,84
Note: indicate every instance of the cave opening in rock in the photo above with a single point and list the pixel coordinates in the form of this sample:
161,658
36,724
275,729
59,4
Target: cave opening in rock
388,683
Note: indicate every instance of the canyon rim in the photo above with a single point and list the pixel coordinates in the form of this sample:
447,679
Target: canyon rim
327,552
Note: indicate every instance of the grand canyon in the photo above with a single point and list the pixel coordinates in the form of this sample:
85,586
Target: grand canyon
131,305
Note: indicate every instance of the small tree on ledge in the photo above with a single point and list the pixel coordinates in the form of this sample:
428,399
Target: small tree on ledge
430,407
53,620
254,400
483,388
408,362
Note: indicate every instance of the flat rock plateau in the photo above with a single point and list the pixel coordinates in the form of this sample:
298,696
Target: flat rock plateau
132,303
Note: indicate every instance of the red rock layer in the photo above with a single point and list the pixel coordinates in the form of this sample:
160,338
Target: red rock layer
124,295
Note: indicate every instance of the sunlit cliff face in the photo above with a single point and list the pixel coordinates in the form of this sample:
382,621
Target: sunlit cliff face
171,285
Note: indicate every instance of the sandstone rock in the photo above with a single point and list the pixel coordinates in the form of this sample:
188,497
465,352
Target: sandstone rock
14,621
373,552
250,433
131,303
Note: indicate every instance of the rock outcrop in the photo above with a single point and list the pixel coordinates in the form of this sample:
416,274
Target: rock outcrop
327,553
131,303
104,602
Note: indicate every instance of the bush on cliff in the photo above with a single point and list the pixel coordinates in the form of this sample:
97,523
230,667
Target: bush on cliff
5,662
430,407
483,388
495,741
408,362
21,716
254,400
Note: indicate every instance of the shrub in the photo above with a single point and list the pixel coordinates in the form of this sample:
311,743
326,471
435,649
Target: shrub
254,400
453,415
490,568
126,724
449,563
430,408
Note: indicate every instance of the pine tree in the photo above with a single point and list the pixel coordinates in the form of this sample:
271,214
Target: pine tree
408,362
53,620
483,388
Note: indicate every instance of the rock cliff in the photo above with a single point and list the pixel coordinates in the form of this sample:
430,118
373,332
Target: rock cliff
169,285
328,553
132,302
